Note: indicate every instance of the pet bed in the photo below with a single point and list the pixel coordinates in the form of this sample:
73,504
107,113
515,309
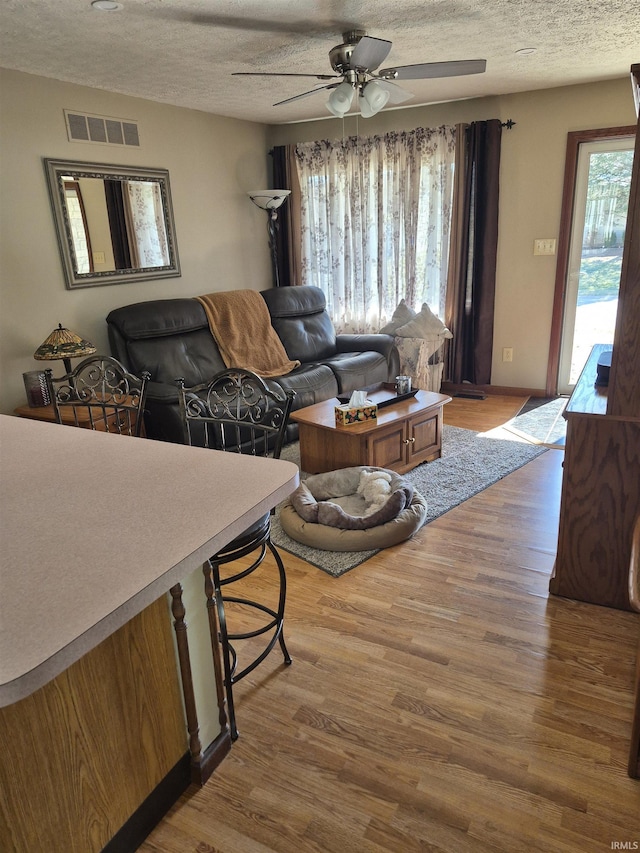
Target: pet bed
328,512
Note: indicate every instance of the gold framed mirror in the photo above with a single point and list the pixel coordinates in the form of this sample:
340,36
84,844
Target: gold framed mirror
114,223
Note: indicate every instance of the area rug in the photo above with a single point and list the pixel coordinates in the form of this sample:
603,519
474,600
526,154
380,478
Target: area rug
542,423
470,463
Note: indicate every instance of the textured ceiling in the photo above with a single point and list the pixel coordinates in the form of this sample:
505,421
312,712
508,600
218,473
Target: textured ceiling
183,52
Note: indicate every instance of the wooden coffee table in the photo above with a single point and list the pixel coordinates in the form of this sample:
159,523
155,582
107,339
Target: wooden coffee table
405,434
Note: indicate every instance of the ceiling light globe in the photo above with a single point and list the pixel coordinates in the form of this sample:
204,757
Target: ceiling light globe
374,97
340,99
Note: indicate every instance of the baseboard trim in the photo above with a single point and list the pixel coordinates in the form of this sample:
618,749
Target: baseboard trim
503,390
131,835
211,757
148,815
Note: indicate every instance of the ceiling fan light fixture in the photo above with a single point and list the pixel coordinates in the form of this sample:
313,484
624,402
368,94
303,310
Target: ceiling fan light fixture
373,98
340,99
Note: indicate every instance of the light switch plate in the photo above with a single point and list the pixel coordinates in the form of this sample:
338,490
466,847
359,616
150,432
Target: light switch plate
544,247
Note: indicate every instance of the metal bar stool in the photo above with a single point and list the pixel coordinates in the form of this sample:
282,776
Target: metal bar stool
237,411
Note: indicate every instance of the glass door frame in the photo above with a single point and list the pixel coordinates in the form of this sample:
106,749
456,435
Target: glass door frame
574,140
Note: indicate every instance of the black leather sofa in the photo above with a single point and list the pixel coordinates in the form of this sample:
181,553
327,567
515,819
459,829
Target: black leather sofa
171,338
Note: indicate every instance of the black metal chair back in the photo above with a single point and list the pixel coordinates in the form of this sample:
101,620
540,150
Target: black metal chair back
236,410
99,394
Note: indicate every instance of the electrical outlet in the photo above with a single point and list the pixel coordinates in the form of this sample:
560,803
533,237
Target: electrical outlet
507,353
544,247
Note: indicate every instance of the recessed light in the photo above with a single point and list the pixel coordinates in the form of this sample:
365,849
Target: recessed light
106,5
526,51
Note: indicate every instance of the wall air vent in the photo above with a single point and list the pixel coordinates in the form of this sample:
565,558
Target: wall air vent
103,130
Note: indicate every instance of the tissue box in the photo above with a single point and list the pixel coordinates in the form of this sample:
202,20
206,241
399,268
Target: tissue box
347,415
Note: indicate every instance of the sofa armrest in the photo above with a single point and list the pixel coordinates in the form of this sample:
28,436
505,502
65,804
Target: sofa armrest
384,344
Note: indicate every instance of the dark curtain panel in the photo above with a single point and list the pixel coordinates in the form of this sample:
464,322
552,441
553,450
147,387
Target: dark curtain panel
118,224
472,278
285,176
282,181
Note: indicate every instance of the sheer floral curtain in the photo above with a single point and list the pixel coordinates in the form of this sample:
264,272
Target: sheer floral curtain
145,223
375,221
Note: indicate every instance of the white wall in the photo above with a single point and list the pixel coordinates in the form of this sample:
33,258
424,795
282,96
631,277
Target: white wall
531,178
221,235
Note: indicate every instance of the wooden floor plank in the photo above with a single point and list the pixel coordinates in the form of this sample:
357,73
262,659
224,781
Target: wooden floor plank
439,700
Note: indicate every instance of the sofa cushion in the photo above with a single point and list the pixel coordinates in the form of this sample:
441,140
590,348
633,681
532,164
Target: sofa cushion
313,383
192,356
299,316
358,370
168,337
158,318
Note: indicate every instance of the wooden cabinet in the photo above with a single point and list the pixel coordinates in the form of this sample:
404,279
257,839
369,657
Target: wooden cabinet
600,497
407,443
600,503
46,413
601,482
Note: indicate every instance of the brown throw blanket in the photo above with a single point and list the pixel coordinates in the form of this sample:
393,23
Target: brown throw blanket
240,322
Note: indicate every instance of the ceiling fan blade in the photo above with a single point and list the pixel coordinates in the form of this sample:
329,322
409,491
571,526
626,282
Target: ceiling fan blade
369,53
428,70
281,74
305,94
397,95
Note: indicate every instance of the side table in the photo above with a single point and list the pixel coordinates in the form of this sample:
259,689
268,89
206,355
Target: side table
46,413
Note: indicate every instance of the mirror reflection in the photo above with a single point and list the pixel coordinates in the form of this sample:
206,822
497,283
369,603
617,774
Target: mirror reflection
114,223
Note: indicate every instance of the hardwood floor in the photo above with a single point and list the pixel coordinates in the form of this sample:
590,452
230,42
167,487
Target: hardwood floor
482,415
438,699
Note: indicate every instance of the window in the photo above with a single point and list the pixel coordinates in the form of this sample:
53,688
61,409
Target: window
375,222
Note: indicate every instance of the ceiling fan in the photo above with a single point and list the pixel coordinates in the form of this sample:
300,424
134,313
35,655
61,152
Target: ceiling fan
355,63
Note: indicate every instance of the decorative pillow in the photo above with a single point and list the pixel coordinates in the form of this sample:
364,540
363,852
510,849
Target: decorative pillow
423,325
403,314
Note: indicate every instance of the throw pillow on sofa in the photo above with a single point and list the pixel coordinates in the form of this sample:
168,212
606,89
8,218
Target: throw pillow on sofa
403,314
424,325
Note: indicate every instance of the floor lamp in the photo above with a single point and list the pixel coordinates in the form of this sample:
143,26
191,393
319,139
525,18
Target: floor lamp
270,200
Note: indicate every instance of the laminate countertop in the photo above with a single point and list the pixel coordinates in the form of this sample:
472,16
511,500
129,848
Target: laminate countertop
95,527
